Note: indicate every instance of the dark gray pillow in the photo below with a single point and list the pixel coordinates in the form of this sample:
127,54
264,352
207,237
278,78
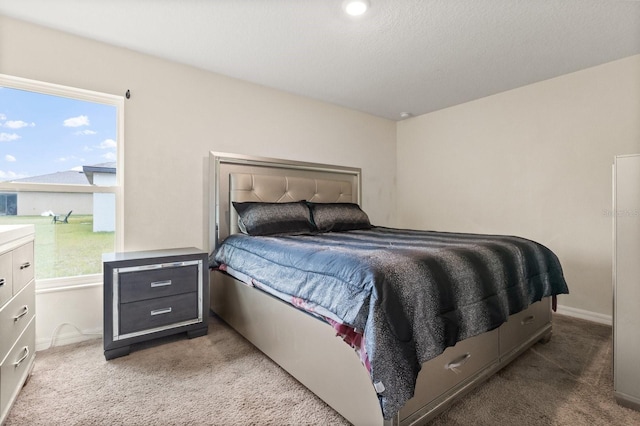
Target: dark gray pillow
338,217
255,218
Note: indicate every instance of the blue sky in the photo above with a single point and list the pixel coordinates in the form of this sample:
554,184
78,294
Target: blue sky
42,134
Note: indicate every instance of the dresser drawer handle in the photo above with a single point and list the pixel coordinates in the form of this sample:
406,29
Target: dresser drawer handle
458,362
25,311
161,311
160,283
2,281
23,357
25,265
528,320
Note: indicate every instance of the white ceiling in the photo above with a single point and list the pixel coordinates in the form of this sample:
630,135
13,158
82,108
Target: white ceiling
412,56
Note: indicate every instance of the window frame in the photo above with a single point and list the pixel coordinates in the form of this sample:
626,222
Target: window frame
82,95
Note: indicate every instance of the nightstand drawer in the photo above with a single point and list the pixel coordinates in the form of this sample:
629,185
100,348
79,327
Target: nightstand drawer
23,269
6,274
159,282
15,316
153,313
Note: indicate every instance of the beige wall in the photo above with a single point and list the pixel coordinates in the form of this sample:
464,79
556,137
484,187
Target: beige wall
177,114
534,161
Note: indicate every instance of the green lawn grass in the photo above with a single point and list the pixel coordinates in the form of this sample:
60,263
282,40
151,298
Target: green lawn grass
66,249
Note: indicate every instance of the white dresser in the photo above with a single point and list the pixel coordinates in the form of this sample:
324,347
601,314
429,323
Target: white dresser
17,311
626,279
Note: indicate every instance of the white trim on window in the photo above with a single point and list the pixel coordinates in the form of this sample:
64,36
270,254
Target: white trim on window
118,189
55,285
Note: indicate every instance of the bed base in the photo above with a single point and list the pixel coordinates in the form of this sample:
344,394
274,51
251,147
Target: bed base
309,350
307,347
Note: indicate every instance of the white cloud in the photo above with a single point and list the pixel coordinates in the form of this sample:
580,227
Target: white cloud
77,168
10,175
81,120
9,158
7,137
109,156
85,132
108,144
18,124
70,158
2,116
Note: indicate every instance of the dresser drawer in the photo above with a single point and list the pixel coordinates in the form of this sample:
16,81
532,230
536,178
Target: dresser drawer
23,269
158,282
453,366
15,316
152,313
6,280
520,327
16,366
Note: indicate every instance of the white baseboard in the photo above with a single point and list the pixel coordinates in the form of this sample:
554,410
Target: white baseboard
72,336
585,315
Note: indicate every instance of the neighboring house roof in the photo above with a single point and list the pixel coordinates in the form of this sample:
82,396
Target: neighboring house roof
67,177
99,168
72,177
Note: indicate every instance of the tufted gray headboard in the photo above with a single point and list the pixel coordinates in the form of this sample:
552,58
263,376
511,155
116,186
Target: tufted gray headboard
242,178
284,189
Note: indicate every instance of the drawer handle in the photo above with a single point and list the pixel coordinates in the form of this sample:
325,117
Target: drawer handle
1,281
23,357
25,265
161,311
458,362
160,283
528,320
25,311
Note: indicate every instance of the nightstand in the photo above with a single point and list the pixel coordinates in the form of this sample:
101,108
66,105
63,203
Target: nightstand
151,294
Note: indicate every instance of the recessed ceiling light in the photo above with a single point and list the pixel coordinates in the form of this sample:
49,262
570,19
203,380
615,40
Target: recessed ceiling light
355,7
405,114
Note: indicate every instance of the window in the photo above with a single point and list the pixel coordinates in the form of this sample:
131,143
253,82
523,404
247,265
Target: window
8,204
61,169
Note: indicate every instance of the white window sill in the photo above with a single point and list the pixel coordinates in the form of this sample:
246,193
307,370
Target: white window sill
52,285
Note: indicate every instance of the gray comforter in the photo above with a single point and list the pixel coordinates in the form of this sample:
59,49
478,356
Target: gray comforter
413,293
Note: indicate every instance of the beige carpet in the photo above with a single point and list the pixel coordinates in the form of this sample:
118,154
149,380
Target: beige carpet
221,379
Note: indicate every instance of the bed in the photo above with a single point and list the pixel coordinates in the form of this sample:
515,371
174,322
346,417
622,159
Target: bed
397,375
